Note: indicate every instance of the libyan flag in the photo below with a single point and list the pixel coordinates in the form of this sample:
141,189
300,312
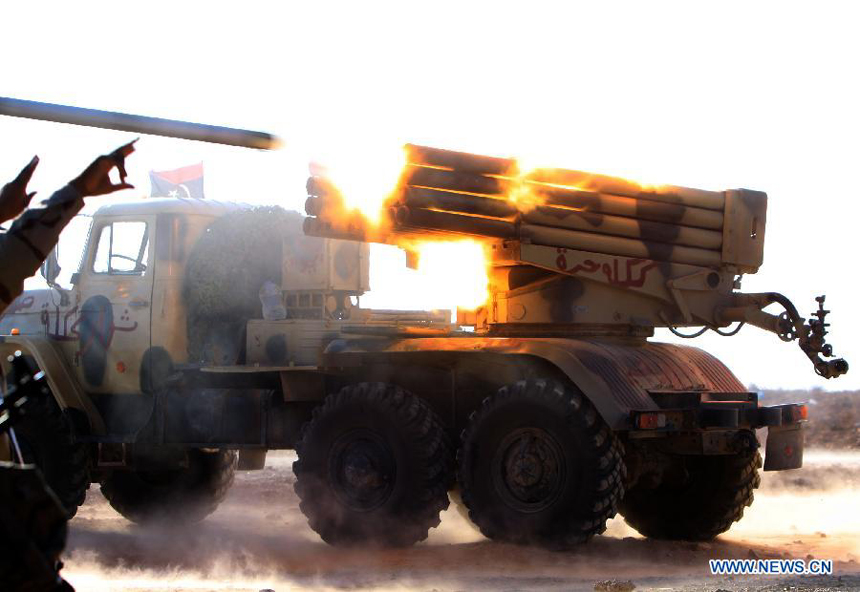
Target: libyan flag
184,182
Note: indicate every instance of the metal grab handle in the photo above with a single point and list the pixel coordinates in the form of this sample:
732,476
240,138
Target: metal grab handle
138,303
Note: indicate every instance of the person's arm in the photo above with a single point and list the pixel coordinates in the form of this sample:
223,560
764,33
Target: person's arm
32,236
13,196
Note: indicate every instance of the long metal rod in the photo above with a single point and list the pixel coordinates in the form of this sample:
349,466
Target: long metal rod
141,124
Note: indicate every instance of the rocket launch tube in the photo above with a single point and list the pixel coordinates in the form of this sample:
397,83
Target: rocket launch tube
688,196
459,161
486,165
672,234
464,182
616,245
632,208
587,221
325,228
448,222
470,193
420,199
657,211
409,219
141,124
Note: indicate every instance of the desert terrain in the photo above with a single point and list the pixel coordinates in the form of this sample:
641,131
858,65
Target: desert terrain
258,539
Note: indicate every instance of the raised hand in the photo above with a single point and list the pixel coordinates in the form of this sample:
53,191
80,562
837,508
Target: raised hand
14,197
95,180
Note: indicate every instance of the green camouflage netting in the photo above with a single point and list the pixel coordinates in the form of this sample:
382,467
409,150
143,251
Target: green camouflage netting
224,273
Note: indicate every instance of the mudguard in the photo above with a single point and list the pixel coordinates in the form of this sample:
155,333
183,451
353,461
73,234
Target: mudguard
784,449
61,380
615,374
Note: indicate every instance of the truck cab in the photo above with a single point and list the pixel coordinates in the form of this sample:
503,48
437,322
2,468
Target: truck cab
125,297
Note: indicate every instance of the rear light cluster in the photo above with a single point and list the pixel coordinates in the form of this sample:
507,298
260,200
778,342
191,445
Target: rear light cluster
651,420
800,412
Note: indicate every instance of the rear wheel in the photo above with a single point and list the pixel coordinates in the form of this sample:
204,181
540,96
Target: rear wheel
706,495
184,495
539,466
374,466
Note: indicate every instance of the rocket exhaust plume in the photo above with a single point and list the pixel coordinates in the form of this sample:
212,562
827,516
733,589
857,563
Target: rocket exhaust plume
140,124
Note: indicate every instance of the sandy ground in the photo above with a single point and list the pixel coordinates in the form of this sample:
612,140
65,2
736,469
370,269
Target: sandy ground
259,540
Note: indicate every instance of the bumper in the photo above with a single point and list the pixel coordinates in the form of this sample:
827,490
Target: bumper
727,427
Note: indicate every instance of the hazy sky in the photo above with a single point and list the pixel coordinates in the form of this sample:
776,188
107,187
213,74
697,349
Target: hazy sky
714,95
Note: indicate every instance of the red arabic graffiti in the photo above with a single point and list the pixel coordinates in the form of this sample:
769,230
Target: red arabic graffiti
633,274
70,321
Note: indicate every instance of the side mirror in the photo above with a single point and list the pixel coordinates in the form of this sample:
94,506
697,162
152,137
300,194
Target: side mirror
50,268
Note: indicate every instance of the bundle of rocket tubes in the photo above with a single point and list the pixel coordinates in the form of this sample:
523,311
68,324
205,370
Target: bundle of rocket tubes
443,193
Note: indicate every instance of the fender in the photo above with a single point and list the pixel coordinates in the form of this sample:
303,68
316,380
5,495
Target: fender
616,375
59,375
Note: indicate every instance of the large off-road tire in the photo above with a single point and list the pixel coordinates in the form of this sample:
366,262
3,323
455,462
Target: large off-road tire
538,465
185,495
705,500
374,466
33,530
46,437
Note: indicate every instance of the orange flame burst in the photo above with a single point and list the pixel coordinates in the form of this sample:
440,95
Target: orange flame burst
450,272
366,179
453,272
521,193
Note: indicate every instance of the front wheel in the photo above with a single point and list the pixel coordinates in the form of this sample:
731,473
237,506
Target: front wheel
539,466
184,495
374,467
46,438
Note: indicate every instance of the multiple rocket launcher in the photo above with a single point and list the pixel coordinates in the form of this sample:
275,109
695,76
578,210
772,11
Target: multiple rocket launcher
445,192
654,256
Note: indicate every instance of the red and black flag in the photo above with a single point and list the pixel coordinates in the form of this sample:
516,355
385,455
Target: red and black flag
183,182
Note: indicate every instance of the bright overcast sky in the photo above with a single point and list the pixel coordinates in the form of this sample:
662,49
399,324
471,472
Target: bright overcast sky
714,95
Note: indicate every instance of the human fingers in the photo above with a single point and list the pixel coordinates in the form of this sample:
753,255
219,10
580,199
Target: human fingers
119,156
26,173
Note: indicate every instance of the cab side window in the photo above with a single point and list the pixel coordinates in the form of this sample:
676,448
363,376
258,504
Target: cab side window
122,249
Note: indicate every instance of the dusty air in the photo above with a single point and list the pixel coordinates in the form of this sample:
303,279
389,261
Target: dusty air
211,373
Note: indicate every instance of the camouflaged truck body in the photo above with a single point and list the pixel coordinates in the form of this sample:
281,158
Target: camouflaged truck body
115,345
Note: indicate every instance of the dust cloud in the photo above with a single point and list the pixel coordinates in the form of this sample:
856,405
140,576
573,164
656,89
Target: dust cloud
259,540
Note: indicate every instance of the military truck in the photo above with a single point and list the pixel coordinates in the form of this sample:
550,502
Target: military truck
548,409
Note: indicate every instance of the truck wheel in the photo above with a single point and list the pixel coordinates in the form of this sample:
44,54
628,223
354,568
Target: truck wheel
539,466
705,502
177,495
374,467
47,439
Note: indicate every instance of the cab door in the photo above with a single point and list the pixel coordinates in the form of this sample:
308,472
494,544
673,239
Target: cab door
114,322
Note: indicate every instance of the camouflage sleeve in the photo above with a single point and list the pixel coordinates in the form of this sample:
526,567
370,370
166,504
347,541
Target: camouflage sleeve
31,238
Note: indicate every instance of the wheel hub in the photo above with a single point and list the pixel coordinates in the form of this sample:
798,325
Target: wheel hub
362,470
528,470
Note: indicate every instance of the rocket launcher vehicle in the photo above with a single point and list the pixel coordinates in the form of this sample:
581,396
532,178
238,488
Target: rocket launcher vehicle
576,253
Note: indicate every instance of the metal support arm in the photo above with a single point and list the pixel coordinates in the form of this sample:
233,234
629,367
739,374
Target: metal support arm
788,326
